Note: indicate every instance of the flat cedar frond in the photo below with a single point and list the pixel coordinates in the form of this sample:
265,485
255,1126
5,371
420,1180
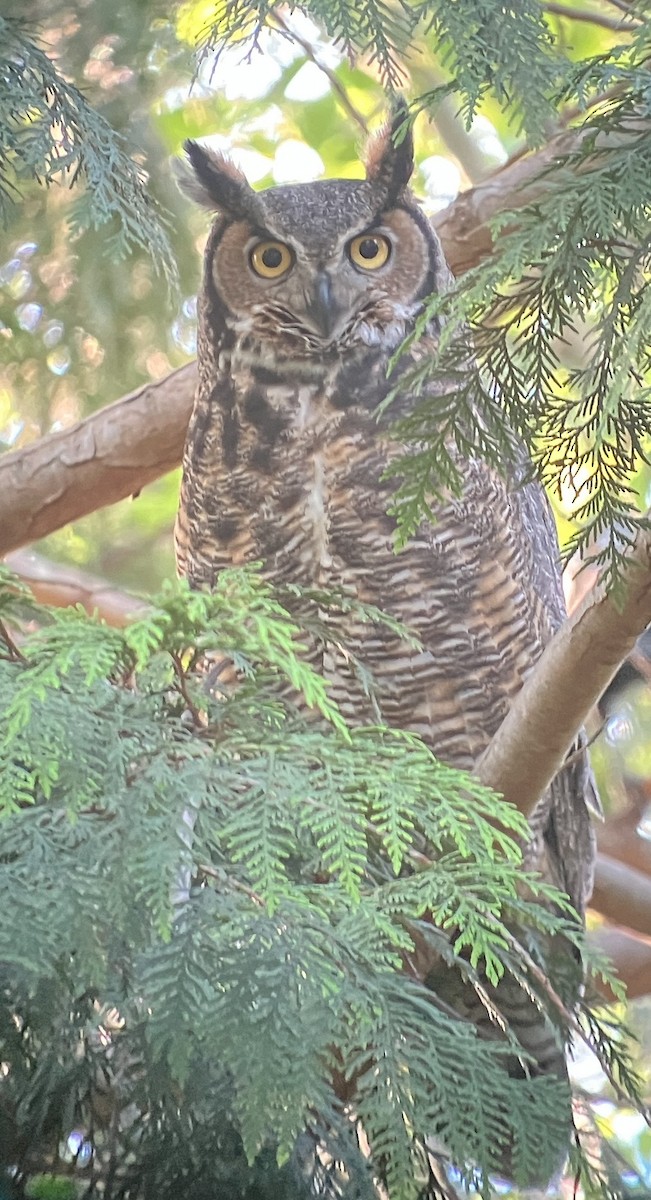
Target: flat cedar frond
246,888
502,48
613,1045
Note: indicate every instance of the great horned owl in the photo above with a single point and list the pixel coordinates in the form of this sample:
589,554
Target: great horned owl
308,290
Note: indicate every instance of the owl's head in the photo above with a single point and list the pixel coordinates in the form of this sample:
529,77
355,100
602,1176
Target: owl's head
319,266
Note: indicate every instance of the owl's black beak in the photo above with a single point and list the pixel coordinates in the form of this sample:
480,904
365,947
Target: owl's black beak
322,307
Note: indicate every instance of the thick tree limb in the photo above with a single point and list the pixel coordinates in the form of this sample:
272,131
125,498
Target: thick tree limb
629,955
118,450
61,586
619,836
112,454
463,226
620,24
577,665
622,894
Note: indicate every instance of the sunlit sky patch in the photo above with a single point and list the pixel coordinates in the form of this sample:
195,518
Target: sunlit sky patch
485,136
296,162
309,83
442,180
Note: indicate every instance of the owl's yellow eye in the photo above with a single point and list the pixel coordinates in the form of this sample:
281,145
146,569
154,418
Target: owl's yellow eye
271,259
369,251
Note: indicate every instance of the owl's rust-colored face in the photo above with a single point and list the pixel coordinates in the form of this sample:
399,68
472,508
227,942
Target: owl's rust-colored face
349,288
331,264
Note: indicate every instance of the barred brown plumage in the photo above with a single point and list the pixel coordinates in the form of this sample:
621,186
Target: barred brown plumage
286,460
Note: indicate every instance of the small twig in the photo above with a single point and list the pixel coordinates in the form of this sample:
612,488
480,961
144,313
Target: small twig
573,111
15,654
197,715
577,754
335,83
541,978
223,877
592,18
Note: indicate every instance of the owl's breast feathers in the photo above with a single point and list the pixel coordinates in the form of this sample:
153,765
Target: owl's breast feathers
291,473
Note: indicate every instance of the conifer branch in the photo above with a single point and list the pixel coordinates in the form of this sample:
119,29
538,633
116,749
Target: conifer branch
620,846
49,131
578,664
590,17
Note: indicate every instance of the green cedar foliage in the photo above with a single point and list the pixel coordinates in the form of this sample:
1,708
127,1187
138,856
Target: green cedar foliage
486,44
210,904
49,131
575,265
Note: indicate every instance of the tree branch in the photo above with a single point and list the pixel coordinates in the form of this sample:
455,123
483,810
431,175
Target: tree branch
575,668
622,894
623,5
591,17
334,81
629,955
111,454
58,585
121,448
464,226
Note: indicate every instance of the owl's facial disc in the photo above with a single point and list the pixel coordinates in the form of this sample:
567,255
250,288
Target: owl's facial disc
270,259
313,289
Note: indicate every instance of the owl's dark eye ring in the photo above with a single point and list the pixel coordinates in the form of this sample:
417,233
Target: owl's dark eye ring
271,259
369,251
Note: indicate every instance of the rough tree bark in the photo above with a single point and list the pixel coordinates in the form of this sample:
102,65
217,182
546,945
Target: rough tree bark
111,454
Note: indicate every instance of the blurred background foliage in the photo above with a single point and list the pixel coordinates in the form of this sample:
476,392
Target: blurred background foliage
80,327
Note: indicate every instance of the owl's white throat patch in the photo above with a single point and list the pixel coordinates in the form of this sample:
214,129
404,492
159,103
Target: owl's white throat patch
316,516
307,408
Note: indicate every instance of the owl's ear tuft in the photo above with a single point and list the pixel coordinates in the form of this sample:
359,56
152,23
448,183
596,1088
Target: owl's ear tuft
212,180
390,154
